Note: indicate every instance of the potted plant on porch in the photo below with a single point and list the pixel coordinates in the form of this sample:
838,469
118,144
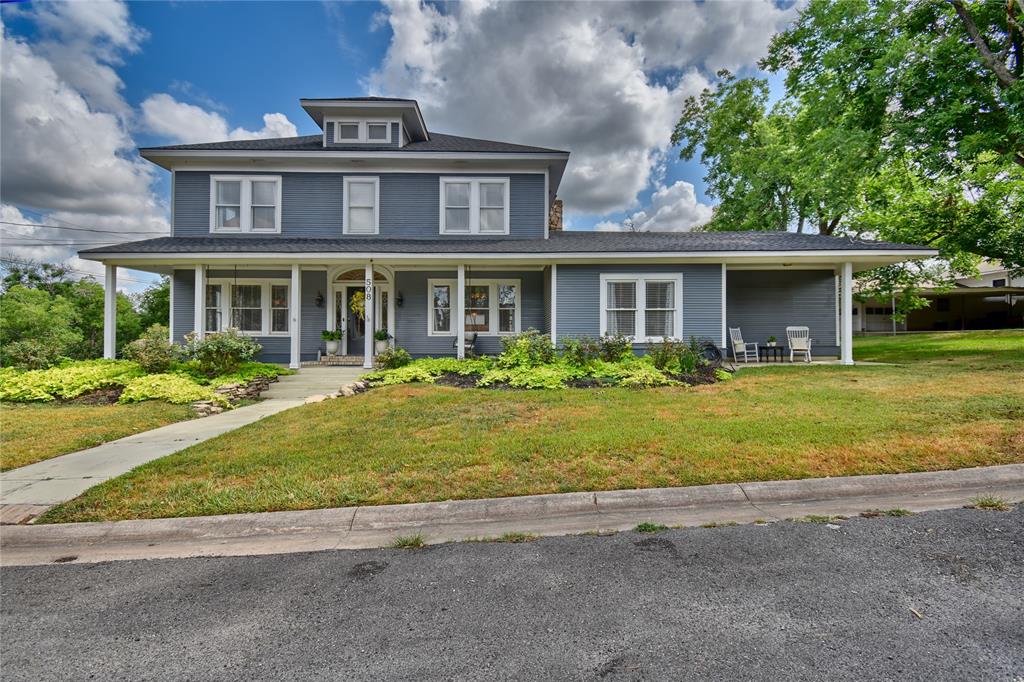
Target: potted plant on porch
333,338
380,341
771,342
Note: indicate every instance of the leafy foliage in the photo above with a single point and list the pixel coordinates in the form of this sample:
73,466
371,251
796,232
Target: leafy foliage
393,358
534,376
221,352
529,349
580,352
154,304
172,388
66,381
36,329
153,350
615,347
247,371
427,370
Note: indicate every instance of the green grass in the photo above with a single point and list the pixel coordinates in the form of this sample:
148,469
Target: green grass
948,401
408,542
990,502
34,432
648,527
874,513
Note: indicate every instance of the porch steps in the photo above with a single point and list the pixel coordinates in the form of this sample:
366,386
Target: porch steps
335,361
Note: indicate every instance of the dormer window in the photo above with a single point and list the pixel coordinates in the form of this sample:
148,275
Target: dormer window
354,131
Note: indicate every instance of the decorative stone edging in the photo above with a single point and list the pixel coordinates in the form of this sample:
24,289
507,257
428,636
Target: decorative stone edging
346,391
234,393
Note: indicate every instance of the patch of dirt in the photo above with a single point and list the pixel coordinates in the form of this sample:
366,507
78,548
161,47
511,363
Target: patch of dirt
705,375
458,380
101,396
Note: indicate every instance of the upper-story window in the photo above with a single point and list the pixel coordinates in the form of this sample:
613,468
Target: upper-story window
354,130
245,203
361,203
474,205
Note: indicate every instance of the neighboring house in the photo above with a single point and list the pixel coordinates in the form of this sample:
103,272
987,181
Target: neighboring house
992,300
444,236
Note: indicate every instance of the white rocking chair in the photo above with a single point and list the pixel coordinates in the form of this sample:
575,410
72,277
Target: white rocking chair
799,339
746,350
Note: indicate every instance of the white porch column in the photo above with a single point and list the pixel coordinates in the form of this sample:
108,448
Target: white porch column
295,313
199,326
724,319
460,313
110,312
554,304
846,323
368,305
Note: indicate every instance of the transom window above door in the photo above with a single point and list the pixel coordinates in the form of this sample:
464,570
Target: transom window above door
474,205
245,203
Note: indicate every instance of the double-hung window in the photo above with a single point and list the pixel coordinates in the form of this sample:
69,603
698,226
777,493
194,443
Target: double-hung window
360,131
257,307
474,205
245,203
491,307
644,307
362,205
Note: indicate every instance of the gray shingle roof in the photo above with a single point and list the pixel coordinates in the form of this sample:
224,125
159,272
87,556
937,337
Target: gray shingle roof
560,242
438,142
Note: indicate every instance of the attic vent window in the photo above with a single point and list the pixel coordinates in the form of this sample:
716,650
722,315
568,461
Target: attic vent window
350,131
377,132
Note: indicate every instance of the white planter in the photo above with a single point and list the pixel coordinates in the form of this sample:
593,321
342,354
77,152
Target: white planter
332,347
771,344
380,346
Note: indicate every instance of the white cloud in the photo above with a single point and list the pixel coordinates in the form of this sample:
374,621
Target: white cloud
674,208
185,123
604,80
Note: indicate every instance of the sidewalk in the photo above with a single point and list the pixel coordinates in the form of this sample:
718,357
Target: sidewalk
30,490
562,514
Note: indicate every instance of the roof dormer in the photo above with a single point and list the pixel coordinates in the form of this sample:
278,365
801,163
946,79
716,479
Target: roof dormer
358,122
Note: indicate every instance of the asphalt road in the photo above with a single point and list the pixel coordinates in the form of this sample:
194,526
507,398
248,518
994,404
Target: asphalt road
935,596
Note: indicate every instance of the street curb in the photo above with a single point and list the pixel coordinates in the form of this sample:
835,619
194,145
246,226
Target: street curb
554,514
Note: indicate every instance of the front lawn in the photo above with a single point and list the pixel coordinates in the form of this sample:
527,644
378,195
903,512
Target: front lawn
953,401
34,432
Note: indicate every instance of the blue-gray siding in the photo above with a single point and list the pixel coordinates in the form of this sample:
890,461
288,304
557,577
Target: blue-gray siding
396,140
312,205
275,348
411,318
579,289
763,303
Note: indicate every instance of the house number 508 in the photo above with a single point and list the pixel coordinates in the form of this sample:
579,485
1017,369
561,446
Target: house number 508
369,289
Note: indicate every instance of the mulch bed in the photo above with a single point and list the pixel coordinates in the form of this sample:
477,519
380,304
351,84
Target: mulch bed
101,396
702,376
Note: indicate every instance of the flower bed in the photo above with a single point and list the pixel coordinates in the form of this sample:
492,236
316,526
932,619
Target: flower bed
529,361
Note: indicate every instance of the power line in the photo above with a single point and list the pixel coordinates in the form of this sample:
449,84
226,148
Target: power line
79,229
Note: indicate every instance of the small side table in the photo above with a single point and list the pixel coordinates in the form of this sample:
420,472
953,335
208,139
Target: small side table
770,353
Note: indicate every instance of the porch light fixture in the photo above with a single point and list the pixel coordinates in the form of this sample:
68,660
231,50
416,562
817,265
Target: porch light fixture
399,299
319,300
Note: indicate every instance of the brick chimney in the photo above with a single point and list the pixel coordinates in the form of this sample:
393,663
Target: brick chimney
555,217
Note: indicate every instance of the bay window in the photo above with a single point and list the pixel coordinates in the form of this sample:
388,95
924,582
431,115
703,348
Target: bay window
491,307
245,203
474,205
361,201
644,307
256,307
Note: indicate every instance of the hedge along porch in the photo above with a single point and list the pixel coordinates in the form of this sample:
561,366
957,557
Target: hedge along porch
429,306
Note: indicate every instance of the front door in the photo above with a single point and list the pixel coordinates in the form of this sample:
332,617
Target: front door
355,323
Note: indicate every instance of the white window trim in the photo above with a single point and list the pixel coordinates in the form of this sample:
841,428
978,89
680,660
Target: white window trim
376,203
474,203
364,130
492,315
640,280
225,302
245,203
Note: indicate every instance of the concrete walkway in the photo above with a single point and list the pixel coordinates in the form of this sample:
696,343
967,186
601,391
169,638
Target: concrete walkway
563,514
30,490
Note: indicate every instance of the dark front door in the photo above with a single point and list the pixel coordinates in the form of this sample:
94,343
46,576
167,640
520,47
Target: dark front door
355,324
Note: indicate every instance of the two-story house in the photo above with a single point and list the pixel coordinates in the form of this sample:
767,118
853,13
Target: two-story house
379,223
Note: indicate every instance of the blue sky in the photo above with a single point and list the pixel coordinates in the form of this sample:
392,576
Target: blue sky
604,80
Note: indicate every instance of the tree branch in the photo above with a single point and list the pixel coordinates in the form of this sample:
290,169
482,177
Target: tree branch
1003,75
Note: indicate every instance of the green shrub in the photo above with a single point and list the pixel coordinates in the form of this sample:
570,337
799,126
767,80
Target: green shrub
665,355
723,374
153,350
221,352
37,330
173,388
581,352
644,375
392,358
426,370
688,360
66,381
544,376
529,349
615,347
246,373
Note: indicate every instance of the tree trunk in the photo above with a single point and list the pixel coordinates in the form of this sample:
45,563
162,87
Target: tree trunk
988,58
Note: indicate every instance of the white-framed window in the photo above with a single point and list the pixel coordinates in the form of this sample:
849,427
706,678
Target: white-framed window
361,131
361,203
258,307
492,306
241,203
474,205
645,307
